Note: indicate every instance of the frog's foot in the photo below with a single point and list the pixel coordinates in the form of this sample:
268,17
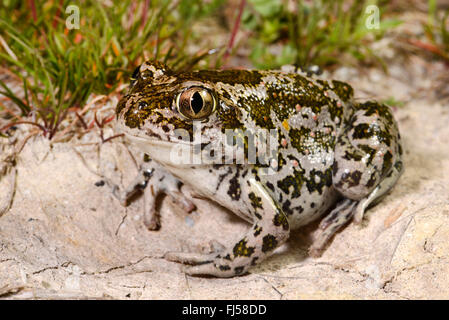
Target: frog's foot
235,260
261,240
348,210
205,264
138,184
225,263
160,183
196,258
334,221
379,192
270,229
153,182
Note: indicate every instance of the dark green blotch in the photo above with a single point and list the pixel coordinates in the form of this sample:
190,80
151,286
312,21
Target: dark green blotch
325,180
372,180
242,250
296,180
256,201
269,243
234,190
146,158
280,220
286,207
352,179
352,154
257,230
254,261
368,150
387,163
239,270
270,186
343,90
373,107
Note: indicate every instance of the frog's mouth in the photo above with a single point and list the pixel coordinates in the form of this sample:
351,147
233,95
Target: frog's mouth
176,154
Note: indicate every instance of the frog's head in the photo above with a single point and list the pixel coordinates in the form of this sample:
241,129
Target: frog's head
162,102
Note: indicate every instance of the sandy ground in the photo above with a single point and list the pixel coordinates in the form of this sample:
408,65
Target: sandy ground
65,237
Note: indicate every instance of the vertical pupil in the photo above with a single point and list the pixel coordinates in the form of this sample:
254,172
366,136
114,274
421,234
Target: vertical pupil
196,102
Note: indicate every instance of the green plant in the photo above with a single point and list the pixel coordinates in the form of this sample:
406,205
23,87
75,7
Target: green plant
310,32
393,102
437,32
59,67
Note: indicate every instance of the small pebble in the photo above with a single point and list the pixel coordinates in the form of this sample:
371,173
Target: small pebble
99,183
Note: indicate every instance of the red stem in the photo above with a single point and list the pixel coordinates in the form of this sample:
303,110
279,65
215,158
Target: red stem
24,122
33,9
146,5
131,10
234,30
57,14
113,137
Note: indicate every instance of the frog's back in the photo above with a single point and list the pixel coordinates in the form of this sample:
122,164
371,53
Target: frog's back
307,114
270,98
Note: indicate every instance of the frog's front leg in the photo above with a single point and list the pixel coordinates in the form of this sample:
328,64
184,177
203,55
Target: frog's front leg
153,180
367,164
270,229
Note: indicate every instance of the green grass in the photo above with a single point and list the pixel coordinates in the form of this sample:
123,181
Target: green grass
393,102
314,32
437,32
59,68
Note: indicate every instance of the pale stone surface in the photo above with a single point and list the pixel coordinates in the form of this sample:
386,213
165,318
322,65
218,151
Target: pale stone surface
64,237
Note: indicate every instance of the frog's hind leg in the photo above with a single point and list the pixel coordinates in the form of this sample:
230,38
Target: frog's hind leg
367,160
379,192
347,210
334,221
367,164
367,152
270,230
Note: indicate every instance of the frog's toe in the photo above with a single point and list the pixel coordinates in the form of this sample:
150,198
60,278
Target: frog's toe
180,199
191,258
216,246
197,264
379,192
334,221
210,269
197,258
152,221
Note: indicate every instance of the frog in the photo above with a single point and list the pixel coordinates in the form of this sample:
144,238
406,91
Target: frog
334,157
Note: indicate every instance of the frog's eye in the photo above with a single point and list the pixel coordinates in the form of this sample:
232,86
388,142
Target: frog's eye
195,103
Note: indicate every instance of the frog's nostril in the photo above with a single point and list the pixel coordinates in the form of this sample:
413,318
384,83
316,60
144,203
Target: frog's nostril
142,105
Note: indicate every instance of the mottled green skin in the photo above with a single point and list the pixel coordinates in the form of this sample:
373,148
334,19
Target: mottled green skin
157,95
331,152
